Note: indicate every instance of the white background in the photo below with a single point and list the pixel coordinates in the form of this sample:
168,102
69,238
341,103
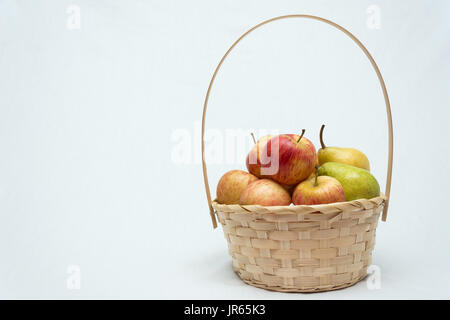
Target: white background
90,117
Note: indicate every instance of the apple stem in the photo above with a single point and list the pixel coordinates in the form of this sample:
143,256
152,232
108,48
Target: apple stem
301,136
321,138
317,173
253,136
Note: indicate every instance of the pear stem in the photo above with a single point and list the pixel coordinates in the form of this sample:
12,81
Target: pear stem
321,137
301,136
253,136
315,179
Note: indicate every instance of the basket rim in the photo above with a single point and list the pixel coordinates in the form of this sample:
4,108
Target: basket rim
354,205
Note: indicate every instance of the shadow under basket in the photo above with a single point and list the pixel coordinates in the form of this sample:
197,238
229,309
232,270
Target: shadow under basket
301,248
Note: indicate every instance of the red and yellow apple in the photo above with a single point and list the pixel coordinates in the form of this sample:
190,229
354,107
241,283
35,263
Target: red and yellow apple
254,157
289,189
290,159
318,190
265,192
231,185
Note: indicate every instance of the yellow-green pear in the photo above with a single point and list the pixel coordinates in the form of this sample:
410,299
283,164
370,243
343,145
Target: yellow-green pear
357,183
350,156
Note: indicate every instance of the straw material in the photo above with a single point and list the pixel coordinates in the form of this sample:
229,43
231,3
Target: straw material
301,248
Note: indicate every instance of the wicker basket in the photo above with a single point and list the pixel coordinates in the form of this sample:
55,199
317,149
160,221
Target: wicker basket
302,248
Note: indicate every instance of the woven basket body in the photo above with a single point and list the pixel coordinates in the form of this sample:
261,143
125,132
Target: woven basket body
301,248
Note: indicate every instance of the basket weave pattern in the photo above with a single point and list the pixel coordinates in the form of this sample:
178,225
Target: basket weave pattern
301,248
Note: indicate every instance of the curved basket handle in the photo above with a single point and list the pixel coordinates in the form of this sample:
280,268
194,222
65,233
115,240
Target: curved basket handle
375,67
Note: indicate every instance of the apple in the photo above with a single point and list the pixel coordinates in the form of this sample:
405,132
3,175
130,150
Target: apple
289,189
231,185
254,157
290,159
265,192
318,190
313,174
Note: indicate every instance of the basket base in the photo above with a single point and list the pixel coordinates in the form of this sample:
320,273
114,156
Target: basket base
310,249
298,290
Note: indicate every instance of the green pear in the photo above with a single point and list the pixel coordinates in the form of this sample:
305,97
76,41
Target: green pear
348,156
357,183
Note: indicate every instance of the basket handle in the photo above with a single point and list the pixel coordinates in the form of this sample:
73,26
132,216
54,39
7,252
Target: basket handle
375,67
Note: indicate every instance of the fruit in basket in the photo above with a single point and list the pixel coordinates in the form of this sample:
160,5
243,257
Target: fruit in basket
348,156
291,159
313,174
318,190
254,157
357,183
265,192
289,189
231,185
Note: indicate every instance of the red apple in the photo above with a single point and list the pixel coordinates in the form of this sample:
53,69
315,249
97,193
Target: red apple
318,190
265,192
289,189
254,157
232,184
290,159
